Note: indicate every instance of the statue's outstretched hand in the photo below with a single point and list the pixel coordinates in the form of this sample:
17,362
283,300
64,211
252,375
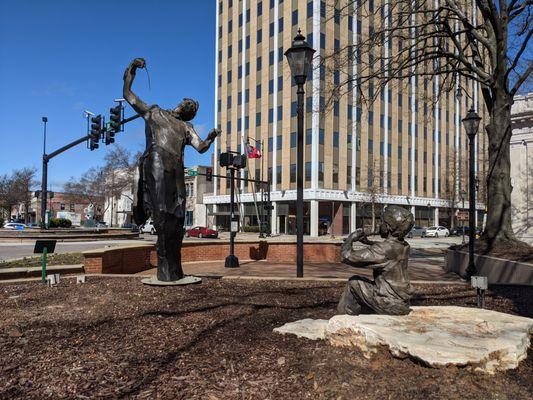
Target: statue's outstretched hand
213,133
139,63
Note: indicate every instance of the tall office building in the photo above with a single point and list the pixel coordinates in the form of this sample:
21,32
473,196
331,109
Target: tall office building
404,148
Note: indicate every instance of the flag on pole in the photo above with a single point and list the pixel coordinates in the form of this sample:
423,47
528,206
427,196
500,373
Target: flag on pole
252,152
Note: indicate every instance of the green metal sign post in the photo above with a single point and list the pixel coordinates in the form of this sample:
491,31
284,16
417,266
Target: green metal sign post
44,247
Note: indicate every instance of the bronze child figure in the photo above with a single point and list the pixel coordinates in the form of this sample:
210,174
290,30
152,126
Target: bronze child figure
161,184
390,291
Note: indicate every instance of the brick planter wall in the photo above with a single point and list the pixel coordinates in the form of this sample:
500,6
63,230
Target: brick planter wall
133,259
118,260
497,270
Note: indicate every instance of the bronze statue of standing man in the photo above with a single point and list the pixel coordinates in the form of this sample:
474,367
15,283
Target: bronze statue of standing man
161,184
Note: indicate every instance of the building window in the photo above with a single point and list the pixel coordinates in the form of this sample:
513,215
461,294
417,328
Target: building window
271,86
270,115
321,136
229,101
293,140
280,25
259,8
271,29
278,174
309,10
258,119
295,17
230,26
280,83
322,41
308,136
336,139
308,171
335,173
271,58
258,91
62,206
270,144
321,171
293,173
189,221
259,36
280,113
294,109
72,207
279,143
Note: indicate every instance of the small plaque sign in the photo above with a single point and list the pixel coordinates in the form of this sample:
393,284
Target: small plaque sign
479,282
41,244
234,226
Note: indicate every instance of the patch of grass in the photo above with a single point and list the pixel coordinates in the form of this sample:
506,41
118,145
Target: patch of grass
52,259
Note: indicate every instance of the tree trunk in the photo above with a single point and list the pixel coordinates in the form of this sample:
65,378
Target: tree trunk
498,226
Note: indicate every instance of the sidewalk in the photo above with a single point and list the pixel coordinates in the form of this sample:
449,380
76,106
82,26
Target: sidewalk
428,269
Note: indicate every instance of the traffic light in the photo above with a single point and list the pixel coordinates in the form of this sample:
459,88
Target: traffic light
109,137
209,174
96,130
115,118
226,159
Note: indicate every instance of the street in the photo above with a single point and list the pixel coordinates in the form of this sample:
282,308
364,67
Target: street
14,250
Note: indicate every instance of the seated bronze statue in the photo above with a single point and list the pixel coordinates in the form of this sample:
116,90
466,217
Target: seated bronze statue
389,292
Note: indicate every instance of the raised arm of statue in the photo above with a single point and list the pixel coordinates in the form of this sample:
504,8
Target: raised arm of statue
129,75
201,145
365,258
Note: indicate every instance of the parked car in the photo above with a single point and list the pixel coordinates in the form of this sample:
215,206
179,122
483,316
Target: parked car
459,231
201,232
101,224
417,231
437,231
148,227
129,225
32,225
15,225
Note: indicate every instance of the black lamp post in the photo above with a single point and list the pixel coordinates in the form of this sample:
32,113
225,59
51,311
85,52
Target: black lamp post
471,123
462,192
44,180
300,56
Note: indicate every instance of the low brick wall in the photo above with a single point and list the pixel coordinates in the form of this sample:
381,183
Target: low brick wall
133,259
497,270
119,260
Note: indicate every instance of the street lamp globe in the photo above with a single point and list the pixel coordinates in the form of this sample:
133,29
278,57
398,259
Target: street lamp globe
299,56
471,123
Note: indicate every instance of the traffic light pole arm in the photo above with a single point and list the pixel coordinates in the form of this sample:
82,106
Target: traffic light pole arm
47,157
125,121
236,178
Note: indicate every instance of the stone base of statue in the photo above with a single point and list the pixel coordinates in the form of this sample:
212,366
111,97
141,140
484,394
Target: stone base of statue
186,280
479,339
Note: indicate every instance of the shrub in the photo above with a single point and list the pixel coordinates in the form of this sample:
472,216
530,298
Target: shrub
1,222
60,223
249,228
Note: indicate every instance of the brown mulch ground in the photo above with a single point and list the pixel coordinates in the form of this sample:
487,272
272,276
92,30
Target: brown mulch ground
514,251
116,338
52,259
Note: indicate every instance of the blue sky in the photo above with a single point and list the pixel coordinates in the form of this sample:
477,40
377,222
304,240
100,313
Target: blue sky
60,57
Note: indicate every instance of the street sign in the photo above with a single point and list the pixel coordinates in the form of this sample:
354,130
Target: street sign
234,226
192,172
462,215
